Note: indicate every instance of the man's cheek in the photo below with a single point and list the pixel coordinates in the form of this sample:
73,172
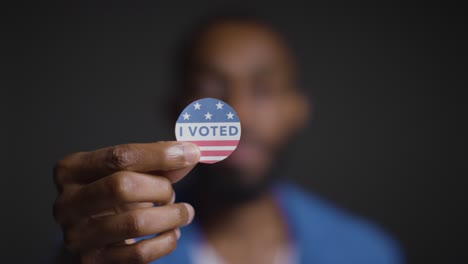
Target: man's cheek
269,125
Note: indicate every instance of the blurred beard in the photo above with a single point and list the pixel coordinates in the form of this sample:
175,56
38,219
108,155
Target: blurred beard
223,185
215,189
228,185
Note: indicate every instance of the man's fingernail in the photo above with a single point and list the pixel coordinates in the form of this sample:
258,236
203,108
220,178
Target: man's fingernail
191,213
191,153
177,232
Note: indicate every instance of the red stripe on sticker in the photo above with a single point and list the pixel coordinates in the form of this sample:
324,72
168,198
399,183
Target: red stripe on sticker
214,142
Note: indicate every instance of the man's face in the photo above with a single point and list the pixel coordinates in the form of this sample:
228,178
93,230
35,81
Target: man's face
250,68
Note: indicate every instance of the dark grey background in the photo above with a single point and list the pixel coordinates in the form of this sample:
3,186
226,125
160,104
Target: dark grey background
386,141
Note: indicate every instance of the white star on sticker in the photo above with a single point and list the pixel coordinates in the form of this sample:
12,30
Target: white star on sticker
197,106
186,116
219,105
230,115
208,115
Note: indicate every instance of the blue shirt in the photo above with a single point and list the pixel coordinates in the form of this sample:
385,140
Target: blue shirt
322,234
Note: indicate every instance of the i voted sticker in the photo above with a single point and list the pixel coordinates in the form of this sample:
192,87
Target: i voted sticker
212,125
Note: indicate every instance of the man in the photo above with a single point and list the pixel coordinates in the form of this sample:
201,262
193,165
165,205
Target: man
244,215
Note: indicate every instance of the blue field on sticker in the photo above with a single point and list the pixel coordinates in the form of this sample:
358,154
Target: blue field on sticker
208,110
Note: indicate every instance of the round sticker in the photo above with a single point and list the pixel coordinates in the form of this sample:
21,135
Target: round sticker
212,125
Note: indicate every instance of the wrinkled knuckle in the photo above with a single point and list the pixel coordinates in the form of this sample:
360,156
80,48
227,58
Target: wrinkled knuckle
121,157
121,186
133,225
136,255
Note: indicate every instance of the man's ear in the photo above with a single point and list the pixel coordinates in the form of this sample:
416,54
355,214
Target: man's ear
299,111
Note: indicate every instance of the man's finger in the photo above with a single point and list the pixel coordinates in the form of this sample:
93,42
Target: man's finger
143,251
174,175
85,167
101,231
121,188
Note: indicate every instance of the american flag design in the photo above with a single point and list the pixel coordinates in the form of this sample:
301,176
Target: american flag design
212,125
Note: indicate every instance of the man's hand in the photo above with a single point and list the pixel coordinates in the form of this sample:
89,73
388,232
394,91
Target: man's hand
106,198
